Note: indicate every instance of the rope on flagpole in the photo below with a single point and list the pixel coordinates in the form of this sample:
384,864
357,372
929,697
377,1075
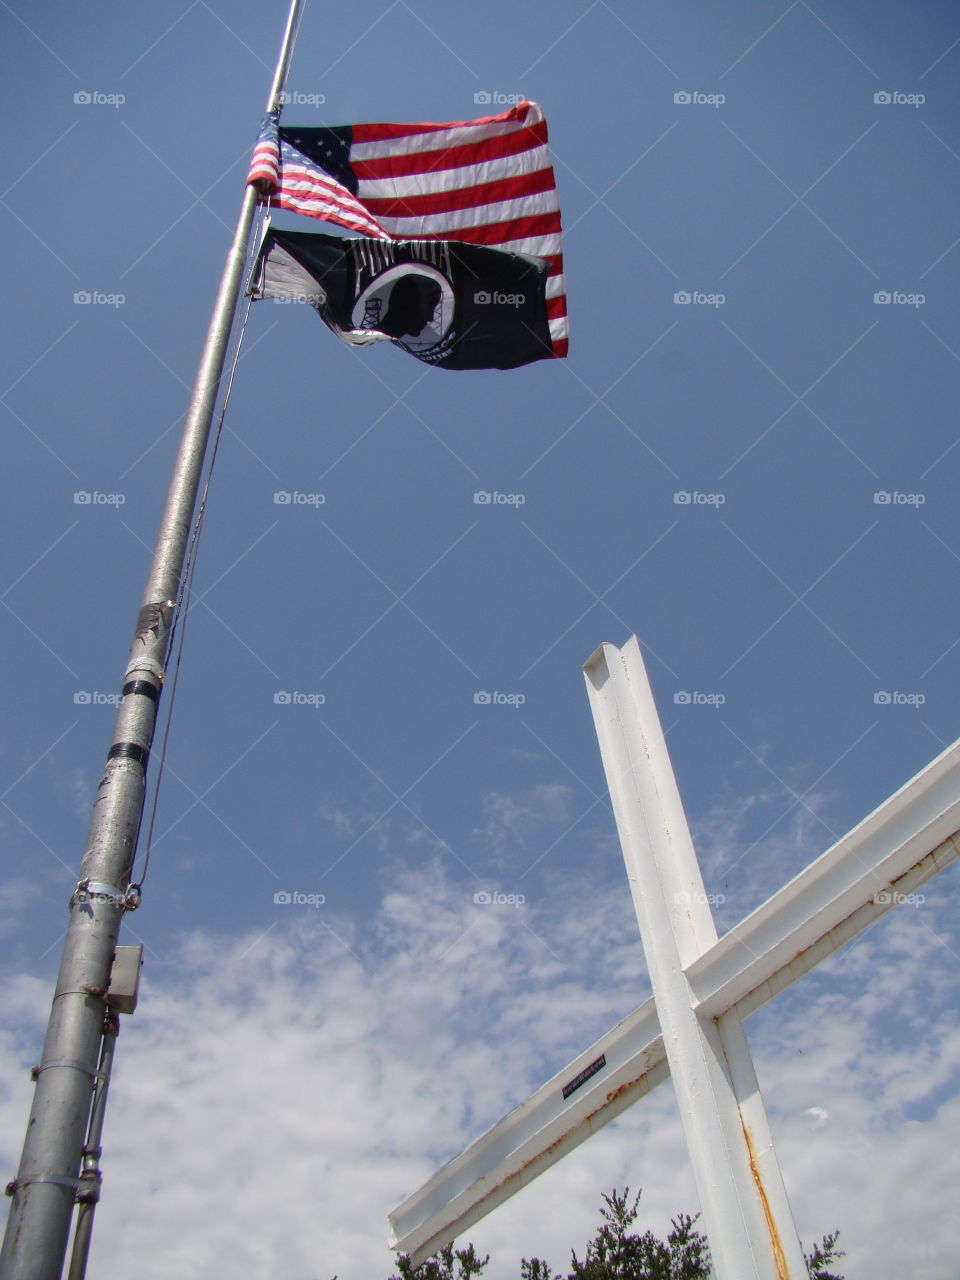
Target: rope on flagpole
178,629
178,625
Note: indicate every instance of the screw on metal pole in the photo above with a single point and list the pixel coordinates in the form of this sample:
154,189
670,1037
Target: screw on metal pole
44,1189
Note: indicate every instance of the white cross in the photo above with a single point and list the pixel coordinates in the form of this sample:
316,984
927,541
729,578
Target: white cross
703,988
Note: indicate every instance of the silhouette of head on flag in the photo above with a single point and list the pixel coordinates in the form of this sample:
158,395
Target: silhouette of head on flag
413,302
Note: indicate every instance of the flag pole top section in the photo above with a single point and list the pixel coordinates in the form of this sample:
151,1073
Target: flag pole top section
283,63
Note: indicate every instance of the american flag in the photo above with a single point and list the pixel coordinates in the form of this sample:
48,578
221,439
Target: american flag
488,181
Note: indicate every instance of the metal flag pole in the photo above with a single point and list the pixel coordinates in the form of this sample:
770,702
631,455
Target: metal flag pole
47,1182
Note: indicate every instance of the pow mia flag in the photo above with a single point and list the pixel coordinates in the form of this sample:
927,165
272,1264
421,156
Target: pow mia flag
453,305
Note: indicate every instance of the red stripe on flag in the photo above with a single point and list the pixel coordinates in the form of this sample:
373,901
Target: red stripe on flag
496,233
527,184
311,206
506,144
380,132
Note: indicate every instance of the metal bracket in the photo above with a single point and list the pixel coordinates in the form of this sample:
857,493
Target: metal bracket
92,1072
58,1179
100,890
97,889
146,664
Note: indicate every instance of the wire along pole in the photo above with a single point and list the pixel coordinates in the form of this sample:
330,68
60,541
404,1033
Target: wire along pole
89,1194
47,1182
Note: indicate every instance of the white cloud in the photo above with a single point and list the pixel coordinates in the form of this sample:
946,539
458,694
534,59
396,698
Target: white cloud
750,845
81,792
276,1097
515,818
16,894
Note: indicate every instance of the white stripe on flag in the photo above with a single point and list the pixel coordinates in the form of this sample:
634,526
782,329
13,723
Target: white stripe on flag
428,225
467,175
539,246
317,193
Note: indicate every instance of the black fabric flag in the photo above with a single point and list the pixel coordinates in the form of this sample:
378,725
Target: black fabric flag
453,305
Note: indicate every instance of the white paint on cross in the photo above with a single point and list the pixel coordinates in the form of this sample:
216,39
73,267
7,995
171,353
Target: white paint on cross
703,988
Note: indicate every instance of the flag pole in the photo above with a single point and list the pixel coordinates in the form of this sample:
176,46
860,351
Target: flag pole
45,1188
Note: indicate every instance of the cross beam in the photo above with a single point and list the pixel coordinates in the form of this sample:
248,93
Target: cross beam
900,846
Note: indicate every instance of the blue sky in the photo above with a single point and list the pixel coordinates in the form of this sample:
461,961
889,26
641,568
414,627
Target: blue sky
807,587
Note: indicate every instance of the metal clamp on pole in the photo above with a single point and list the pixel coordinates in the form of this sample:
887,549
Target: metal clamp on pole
97,889
143,663
57,1179
85,1067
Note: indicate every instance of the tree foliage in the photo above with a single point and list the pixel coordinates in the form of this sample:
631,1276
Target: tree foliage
617,1253
448,1264
824,1255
